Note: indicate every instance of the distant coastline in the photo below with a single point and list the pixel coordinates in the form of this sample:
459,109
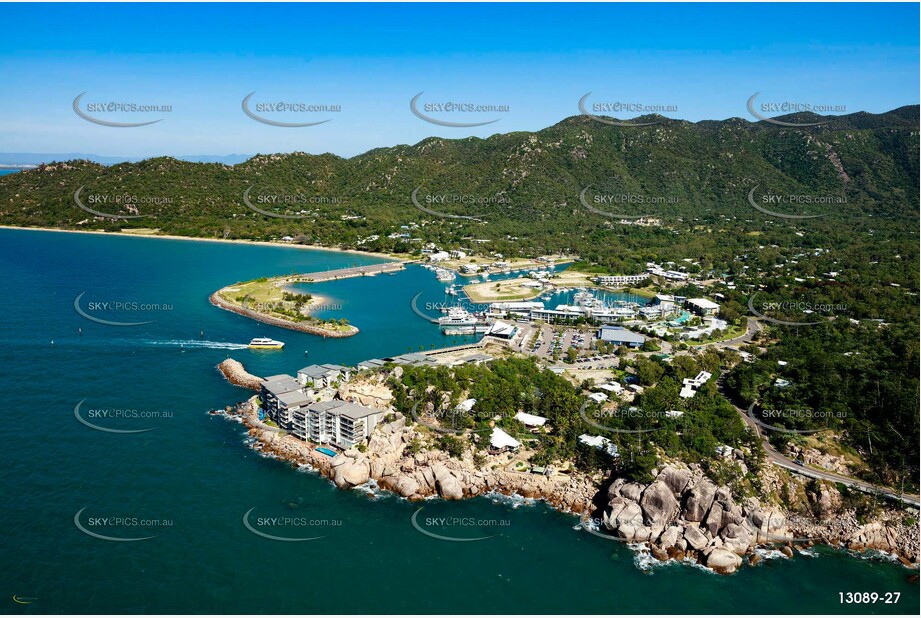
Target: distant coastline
238,241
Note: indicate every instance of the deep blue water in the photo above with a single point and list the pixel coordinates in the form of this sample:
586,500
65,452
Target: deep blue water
195,472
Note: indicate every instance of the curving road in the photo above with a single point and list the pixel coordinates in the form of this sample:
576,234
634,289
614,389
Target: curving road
779,459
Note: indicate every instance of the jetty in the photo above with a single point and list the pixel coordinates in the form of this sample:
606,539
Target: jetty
344,273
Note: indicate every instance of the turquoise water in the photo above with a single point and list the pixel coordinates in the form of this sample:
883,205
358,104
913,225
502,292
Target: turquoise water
194,474
327,451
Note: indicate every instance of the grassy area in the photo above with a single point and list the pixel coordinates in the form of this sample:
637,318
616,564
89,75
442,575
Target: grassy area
644,292
269,297
495,291
732,333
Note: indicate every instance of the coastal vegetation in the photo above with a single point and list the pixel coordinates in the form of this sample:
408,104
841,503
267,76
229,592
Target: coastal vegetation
269,299
643,434
582,188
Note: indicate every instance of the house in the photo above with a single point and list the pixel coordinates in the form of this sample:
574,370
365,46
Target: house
374,363
601,443
724,451
702,306
501,442
322,376
698,380
612,387
466,406
620,336
690,385
598,397
532,421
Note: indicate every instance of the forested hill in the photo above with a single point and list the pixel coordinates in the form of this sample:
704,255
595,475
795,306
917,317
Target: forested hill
827,212
522,187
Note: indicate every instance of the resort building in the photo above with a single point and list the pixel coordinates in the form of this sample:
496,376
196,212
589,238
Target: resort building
523,308
439,256
620,336
340,423
288,404
271,388
322,376
702,306
571,313
621,279
502,330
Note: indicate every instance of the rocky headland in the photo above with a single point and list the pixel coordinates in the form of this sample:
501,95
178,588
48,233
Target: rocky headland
680,515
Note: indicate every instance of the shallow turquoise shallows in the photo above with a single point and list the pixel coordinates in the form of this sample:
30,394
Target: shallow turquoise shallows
215,510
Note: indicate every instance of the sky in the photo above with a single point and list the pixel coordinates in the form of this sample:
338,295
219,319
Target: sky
534,61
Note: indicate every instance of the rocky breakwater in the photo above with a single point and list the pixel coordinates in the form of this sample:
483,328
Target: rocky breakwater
236,374
313,328
683,515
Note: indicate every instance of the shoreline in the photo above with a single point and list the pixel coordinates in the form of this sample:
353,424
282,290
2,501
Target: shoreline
238,241
311,329
672,521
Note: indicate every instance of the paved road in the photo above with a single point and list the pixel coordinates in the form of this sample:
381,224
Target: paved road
753,326
779,459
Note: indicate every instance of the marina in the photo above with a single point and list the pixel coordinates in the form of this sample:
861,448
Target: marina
185,457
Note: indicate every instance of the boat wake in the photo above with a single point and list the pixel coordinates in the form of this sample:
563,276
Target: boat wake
198,343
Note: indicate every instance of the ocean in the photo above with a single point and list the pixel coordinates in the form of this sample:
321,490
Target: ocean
188,484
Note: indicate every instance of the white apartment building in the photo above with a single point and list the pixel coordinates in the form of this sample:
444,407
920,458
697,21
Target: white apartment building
340,423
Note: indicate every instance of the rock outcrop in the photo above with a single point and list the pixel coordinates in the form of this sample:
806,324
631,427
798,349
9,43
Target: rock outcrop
236,374
683,514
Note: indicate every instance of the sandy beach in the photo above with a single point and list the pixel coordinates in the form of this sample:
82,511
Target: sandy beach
386,256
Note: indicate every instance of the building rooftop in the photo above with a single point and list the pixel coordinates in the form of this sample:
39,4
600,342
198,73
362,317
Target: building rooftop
500,439
280,384
531,420
314,371
355,411
618,333
294,398
703,303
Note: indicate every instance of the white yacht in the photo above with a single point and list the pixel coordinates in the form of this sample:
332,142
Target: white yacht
264,343
458,316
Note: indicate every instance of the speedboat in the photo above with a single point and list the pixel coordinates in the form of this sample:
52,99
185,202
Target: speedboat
264,343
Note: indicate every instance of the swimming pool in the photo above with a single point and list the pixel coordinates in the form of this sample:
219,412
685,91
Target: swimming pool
326,451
